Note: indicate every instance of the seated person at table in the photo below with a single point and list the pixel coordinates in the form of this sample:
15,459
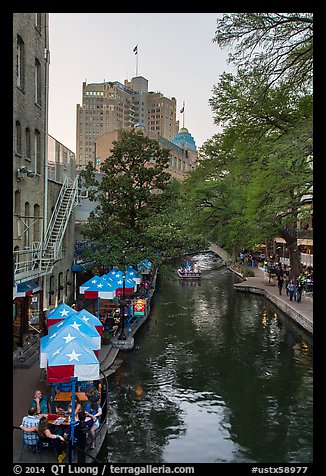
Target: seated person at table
93,410
65,408
78,406
45,434
81,428
30,425
41,402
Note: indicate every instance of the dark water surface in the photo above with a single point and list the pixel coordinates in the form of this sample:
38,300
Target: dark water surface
217,376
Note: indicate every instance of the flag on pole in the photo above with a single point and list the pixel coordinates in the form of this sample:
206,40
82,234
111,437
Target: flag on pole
182,109
135,50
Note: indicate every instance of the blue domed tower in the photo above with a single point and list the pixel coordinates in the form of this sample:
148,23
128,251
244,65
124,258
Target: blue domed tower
184,140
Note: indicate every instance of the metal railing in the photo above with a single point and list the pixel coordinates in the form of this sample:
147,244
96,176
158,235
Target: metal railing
38,260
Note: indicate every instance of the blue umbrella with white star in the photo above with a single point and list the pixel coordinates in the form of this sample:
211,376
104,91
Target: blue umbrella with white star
72,359
91,319
76,322
64,335
58,314
89,284
98,288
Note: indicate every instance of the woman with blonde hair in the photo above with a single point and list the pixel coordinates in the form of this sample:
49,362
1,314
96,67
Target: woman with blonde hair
45,435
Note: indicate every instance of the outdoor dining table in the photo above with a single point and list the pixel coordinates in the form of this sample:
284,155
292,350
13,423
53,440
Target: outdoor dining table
58,419
66,397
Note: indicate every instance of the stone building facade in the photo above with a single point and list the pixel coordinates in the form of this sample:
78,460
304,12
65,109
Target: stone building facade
38,180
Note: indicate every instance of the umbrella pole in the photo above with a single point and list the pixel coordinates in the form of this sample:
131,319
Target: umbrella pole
73,381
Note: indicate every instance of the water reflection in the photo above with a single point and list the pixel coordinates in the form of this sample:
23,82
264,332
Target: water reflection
220,376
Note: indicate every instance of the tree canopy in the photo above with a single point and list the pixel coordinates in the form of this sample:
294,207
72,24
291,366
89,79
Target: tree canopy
279,44
256,175
136,215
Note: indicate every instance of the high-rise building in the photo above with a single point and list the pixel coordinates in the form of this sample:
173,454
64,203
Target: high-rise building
111,106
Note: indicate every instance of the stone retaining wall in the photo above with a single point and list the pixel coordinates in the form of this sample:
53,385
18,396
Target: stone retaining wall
288,310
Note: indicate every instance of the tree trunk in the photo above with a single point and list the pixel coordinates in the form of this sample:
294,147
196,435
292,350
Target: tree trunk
294,254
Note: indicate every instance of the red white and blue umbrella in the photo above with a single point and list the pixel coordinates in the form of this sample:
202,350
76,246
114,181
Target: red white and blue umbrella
78,323
132,273
64,335
27,288
72,359
98,288
89,283
116,278
91,319
61,312
144,266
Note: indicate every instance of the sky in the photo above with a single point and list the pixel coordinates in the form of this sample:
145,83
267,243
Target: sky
176,54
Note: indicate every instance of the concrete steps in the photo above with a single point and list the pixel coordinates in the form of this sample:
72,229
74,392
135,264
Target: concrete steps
26,356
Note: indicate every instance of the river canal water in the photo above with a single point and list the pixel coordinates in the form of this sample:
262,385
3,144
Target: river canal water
216,376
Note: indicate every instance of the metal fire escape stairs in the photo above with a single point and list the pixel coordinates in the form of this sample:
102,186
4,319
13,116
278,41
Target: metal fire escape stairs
39,259
52,246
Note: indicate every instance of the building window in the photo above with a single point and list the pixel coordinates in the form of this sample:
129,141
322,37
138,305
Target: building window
28,143
36,230
20,62
51,291
37,151
18,138
17,202
37,78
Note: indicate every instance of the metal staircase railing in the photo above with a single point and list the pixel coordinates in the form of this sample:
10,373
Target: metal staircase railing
38,260
66,201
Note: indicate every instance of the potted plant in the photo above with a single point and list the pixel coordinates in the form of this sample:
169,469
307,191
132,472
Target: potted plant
92,394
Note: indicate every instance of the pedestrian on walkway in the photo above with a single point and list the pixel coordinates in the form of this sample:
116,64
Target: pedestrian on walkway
291,288
299,288
286,282
280,282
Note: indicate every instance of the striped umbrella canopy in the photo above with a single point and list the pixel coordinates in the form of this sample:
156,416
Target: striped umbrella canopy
132,273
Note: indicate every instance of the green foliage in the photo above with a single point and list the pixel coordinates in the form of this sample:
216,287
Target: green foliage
138,214
280,44
254,175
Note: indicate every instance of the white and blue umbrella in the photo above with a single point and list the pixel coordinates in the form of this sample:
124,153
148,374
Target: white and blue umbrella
91,319
132,273
89,283
72,359
63,311
61,337
78,323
